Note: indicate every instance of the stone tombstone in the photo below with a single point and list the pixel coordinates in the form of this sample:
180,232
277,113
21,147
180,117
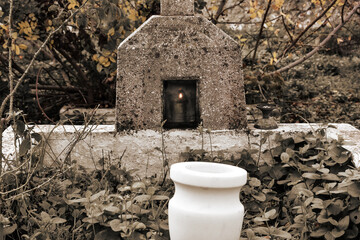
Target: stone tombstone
180,68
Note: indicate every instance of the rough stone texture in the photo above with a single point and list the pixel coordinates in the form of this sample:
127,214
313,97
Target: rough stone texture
179,47
141,149
177,7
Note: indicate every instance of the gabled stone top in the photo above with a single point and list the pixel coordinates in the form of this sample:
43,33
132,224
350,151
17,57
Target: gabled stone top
176,31
177,7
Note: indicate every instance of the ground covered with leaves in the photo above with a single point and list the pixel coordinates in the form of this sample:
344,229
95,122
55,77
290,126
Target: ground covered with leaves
303,187
326,88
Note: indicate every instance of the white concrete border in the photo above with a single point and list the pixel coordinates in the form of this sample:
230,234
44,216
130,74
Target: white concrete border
142,149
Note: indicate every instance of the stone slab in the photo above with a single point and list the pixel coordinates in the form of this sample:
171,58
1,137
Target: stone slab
177,7
143,149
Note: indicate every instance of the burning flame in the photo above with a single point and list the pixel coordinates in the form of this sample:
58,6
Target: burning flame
181,95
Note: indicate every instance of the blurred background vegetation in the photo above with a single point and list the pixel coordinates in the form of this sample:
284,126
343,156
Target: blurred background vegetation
78,65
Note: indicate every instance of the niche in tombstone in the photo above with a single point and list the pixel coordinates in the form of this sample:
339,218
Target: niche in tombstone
180,104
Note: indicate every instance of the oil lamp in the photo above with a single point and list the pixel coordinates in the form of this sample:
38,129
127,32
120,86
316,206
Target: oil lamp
266,122
180,104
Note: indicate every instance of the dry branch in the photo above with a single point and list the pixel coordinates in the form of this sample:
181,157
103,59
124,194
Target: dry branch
219,11
308,27
11,75
56,88
261,30
316,49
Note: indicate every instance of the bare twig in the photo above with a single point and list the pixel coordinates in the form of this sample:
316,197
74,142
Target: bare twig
80,135
316,49
56,88
163,152
307,28
207,11
219,11
342,11
231,7
261,30
286,29
37,97
313,32
211,150
11,41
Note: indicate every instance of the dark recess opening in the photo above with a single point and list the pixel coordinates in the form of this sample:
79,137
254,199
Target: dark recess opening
181,108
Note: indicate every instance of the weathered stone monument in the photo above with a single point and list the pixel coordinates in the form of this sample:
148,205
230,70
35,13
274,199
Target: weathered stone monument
180,68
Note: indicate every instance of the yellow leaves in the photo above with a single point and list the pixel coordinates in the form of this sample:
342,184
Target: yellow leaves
32,37
24,27
32,17
319,2
73,4
95,57
122,30
142,19
99,68
111,32
241,39
252,12
316,2
339,40
213,8
5,27
104,60
14,35
131,12
112,59
27,27
22,46
340,3
260,13
255,11
49,26
273,58
16,49
254,4
277,4
133,15
33,25
5,44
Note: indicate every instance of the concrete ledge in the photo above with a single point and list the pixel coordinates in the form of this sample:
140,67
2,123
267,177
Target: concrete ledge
143,149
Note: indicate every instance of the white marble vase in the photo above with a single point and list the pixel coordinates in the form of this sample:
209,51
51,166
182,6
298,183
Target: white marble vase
206,203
